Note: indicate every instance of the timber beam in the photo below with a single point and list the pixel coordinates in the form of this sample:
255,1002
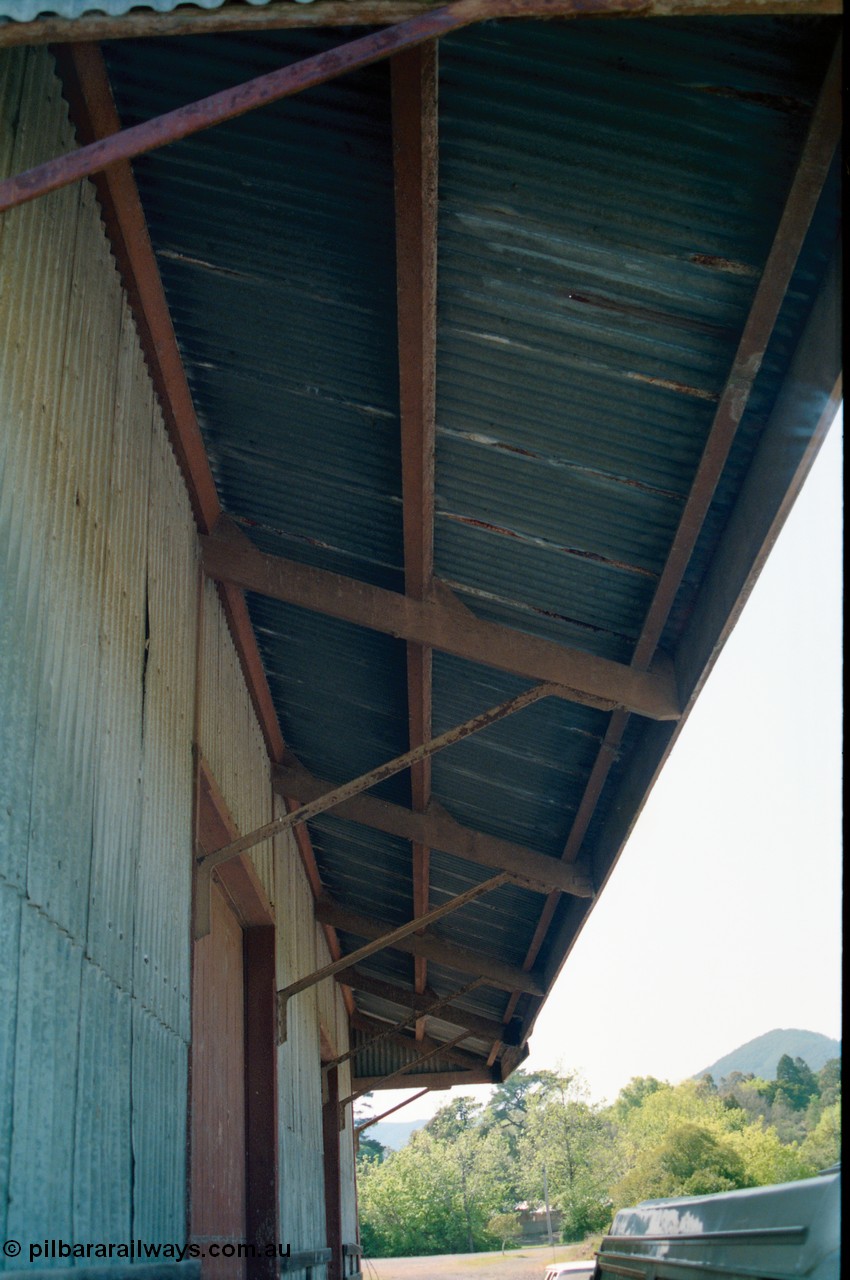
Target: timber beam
374,1026
371,779
437,829
367,1124
483,1028
462,959
423,1080
443,622
416,1061
384,1032
283,15
393,937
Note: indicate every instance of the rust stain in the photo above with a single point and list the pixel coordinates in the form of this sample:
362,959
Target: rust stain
578,552
463,588
682,388
723,264
647,313
595,473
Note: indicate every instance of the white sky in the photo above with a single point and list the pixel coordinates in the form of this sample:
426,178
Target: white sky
722,919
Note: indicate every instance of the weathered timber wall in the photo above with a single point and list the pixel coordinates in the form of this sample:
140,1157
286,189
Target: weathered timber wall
98,616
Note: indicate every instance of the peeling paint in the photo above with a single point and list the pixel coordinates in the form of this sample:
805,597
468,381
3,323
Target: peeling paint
578,552
681,388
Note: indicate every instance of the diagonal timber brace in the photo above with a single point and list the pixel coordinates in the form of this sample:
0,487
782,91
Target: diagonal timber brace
400,1071
366,780
367,1124
394,1029
271,87
380,944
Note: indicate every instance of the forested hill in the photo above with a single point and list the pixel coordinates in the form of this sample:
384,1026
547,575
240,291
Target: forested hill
759,1057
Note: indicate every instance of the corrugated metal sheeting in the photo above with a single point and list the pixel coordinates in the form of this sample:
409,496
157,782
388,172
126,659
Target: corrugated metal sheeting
96,758
604,220
229,736
27,10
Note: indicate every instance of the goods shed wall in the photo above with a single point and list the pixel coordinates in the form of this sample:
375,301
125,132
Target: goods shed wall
111,664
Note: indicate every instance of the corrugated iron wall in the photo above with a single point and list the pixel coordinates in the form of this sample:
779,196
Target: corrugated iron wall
229,735
98,645
302,1213
97,558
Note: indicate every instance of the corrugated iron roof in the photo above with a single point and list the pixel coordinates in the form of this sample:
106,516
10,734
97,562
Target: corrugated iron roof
608,196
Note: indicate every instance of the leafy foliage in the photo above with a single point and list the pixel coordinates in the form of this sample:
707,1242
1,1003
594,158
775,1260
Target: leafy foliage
458,1183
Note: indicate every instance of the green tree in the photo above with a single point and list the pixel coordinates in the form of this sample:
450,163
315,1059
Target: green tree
795,1082
505,1227
635,1093
688,1161
822,1147
576,1146
370,1149
432,1196
456,1117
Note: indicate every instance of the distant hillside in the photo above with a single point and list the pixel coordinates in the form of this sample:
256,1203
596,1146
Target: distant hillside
394,1133
761,1055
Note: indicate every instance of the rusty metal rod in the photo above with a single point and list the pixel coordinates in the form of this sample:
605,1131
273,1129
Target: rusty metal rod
400,1071
367,1124
393,935
366,780
395,1027
228,104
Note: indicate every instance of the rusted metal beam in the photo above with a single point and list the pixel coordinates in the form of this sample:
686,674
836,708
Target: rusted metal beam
282,14
389,939
400,1071
462,959
261,91
367,1124
324,803
413,76
443,622
813,167
437,829
406,998
396,1027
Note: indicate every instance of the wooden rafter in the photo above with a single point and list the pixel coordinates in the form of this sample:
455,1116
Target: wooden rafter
463,959
443,622
434,1052
414,116
324,803
804,193
282,15
94,115
427,1080
382,1031
460,1057
405,998
381,940
436,828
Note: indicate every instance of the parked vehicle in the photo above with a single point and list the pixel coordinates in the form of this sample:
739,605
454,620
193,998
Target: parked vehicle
571,1270
772,1233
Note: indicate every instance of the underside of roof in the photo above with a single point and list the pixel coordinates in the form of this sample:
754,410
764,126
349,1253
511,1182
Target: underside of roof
585,443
